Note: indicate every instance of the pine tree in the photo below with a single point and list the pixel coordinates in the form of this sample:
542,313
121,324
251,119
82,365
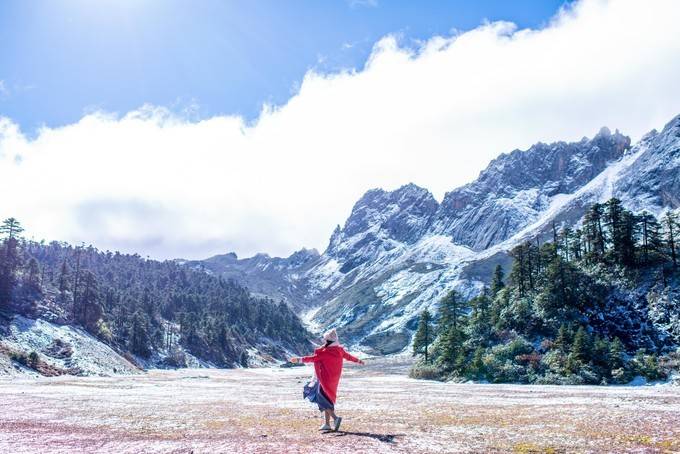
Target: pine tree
33,276
616,354
600,355
565,239
594,233
10,259
532,257
580,348
244,359
76,282
623,228
645,221
522,273
139,340
497,283
451,309
557,298
630,228
477,363
478,330
563,339
576,244
651,240
90,310
11,228
423,336
450,352
63,284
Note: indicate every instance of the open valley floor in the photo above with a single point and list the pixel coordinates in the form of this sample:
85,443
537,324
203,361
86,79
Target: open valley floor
262,411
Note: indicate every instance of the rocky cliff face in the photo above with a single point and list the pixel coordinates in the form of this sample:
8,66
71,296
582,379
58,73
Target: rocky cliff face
652,182
400,251
381,221
517,187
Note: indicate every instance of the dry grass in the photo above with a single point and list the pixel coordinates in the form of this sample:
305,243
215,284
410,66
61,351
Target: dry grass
257,411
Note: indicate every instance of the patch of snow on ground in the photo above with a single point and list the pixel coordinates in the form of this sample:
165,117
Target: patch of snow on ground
89,355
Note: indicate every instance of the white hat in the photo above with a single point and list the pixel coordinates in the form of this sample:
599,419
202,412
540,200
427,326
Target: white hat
331,336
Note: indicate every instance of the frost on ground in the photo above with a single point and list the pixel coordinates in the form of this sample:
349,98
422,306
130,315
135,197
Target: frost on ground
65,347
261,411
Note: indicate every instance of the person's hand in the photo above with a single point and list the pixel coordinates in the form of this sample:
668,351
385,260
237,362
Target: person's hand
361,362
294,360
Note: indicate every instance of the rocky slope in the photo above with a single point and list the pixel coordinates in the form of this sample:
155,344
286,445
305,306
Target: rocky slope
400,251
61,349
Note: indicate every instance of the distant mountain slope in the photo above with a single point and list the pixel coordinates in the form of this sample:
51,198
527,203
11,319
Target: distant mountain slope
278,278
400,251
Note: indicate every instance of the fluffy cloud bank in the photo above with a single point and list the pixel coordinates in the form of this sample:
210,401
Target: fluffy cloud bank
155,183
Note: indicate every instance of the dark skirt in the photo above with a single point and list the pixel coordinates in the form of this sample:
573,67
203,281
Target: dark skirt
314,392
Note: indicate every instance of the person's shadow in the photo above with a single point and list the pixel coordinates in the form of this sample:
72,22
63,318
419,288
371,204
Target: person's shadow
385,438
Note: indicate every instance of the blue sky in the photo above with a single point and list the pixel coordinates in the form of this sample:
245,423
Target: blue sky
137,125
61,59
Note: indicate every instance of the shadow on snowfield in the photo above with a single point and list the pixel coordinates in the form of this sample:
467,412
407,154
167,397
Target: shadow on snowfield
385,438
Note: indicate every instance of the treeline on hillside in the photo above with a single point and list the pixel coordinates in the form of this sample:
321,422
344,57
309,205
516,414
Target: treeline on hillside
575,310
141,306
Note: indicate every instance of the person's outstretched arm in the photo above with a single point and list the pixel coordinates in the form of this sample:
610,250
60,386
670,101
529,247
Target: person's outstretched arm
350,357
305,359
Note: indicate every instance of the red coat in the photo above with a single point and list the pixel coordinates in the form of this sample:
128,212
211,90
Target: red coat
328,367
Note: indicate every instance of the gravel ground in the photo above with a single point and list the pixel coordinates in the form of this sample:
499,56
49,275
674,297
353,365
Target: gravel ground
261,411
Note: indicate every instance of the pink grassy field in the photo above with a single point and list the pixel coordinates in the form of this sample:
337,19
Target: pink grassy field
261,411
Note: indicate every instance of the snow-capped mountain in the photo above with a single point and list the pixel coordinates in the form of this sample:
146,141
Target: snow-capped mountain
400,251
517,187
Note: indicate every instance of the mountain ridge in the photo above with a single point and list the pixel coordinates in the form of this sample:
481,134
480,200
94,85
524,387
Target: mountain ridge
399,251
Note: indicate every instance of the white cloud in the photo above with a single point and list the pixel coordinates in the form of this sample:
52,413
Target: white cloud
161,185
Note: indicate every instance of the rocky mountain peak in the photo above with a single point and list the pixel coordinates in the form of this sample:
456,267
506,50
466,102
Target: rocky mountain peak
559,167
516,186
380,220
674,124
304,255
653,181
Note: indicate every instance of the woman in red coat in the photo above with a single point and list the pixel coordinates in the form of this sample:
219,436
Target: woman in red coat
327,361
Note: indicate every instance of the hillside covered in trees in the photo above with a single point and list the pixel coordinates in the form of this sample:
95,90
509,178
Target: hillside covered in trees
153,313
598,304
